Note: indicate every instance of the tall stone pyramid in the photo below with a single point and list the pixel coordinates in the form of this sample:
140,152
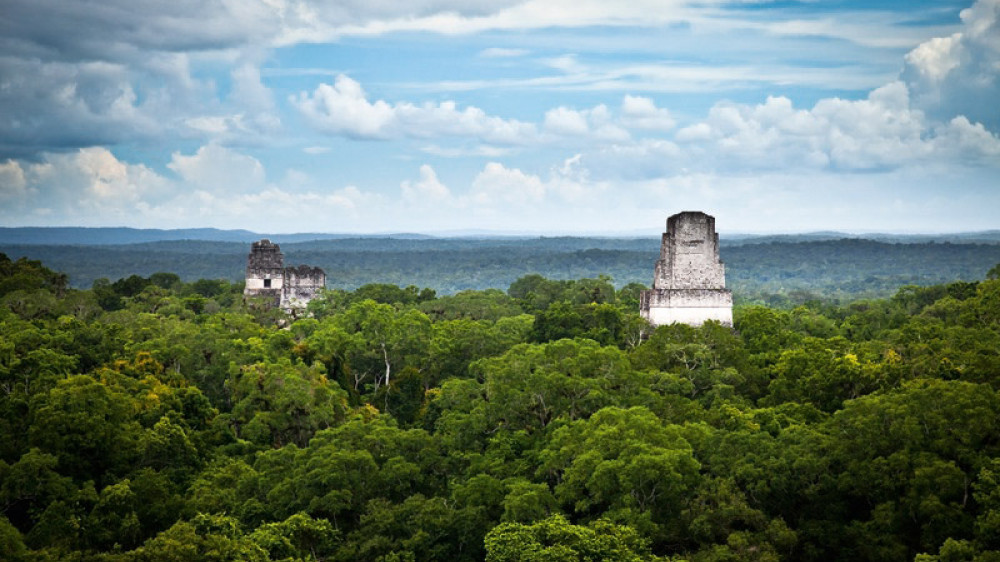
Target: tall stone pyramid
689,283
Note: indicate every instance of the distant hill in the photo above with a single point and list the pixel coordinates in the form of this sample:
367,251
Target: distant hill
72,235
105,236
101,236
981,237
845,268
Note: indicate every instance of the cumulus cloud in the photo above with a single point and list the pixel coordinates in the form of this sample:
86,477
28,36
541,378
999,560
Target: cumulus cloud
61,104
595,123
565,121
882,131
93,187
122,28
91,73
641,113
428,190
569,183
497,184
94,176
82,184
342,108
252,103
12,182
959,74
58,105
217,168
160,71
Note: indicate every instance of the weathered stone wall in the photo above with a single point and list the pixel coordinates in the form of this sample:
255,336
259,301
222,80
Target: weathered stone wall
266,281
302,284
265,271
687,297
686,306
689,254
289,288
689,280
264,256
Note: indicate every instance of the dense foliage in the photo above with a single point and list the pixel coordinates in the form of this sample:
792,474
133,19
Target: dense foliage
154,419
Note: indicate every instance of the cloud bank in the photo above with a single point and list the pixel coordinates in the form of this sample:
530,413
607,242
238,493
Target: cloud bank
158,114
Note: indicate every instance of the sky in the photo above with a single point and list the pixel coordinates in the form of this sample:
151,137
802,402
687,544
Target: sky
505,116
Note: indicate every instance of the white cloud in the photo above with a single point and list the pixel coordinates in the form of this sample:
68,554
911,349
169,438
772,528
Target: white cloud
92,187
967,142
882,131
462,151
219,169
156,71
497,184
343,109
428,190
934,59
565,121
234,127
81,185
248,90
498,187
12,182
501,52
677,78
566,63
641,113
252,103
595,123
94,176
696,132
959,74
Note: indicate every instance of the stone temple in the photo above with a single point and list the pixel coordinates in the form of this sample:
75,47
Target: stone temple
288,287
689,284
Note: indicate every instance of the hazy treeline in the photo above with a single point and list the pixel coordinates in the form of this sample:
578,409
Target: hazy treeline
775,273
150,418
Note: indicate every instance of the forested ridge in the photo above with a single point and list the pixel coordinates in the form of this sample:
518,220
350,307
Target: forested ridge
776,271
150,418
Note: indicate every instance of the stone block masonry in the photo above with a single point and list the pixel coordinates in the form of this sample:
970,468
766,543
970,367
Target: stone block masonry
288,288
689,281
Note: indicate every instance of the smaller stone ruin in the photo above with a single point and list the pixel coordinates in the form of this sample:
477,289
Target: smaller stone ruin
287,288
689,283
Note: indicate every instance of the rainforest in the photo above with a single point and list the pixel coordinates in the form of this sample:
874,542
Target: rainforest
153,418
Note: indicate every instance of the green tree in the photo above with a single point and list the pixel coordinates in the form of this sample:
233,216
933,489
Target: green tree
88,425
279,403
28,275
299,537
556,539
11,542
213,538
531,385
622,463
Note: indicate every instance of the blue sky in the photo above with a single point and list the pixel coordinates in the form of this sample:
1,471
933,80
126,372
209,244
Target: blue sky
540,116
